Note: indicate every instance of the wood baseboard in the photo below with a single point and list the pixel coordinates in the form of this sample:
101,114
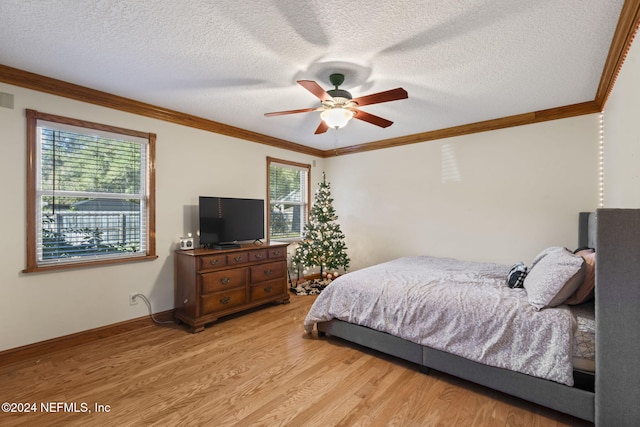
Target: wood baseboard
18,354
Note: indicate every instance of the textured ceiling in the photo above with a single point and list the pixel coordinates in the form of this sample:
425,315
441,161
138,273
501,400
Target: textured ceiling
461,61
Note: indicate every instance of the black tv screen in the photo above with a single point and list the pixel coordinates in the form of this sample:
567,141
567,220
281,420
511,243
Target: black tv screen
225,220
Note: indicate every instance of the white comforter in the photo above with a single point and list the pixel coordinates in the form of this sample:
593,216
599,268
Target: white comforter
461,307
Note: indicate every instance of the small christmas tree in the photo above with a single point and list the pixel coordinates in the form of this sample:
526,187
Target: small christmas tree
323,243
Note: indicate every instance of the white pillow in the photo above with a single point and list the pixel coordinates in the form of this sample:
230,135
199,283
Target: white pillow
545,253
555,275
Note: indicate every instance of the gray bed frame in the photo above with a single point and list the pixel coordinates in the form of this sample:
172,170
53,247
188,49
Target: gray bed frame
614,399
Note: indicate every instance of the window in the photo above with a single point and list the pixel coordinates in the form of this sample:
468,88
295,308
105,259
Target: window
288,199
90,193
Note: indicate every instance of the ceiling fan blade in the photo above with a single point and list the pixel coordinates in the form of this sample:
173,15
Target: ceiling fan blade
373,119
315,89
281,113
386,96
322,127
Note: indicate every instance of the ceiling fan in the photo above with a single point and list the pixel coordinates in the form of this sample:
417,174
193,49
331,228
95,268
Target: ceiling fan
338,106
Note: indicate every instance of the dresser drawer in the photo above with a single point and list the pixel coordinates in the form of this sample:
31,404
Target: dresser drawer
212,261
260,255
225,279
267,289
237,258
225,300
278,252
270,271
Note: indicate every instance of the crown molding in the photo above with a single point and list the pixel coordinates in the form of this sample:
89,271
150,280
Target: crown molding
484,126
626,30
64,89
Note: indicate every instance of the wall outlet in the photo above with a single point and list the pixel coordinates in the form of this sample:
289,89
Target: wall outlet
133,300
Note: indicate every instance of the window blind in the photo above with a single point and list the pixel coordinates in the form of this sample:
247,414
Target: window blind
90,194
288,200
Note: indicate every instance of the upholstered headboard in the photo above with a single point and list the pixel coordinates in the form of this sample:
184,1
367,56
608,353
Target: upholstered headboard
617,301
587,229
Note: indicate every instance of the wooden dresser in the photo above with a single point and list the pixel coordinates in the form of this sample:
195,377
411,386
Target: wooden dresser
213,283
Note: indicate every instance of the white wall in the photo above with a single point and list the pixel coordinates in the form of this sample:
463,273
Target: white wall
622,136
498,196
189,163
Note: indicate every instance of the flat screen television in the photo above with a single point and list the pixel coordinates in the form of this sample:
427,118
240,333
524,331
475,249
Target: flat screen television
225,221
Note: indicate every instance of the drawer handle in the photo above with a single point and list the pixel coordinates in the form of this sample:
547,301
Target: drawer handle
237,258
213,262
225,280
258,256
277,253
225,300
268,272
268,288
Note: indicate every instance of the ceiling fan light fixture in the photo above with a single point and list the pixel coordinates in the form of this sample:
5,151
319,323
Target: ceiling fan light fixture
336,117
338,106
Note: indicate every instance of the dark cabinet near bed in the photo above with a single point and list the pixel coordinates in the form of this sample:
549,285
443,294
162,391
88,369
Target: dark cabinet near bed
214,283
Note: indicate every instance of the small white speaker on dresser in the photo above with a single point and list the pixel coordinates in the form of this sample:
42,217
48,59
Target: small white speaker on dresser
186,242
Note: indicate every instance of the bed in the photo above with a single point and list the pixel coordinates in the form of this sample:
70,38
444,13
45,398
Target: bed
538,353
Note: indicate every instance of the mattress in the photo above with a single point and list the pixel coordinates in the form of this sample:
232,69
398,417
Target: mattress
584,338
440,303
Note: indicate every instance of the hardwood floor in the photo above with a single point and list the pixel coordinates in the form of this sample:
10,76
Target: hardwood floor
258,368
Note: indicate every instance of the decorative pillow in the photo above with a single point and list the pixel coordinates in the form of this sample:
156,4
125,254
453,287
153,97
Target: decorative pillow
586,289
515,278
553,278
545,253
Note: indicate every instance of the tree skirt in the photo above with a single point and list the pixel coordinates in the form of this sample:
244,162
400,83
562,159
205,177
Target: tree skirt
312,287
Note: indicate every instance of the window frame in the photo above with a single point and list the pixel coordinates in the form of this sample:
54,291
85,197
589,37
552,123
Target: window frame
297,165
33,173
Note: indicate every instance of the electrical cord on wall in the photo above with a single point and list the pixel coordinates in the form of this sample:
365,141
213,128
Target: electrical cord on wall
146,301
